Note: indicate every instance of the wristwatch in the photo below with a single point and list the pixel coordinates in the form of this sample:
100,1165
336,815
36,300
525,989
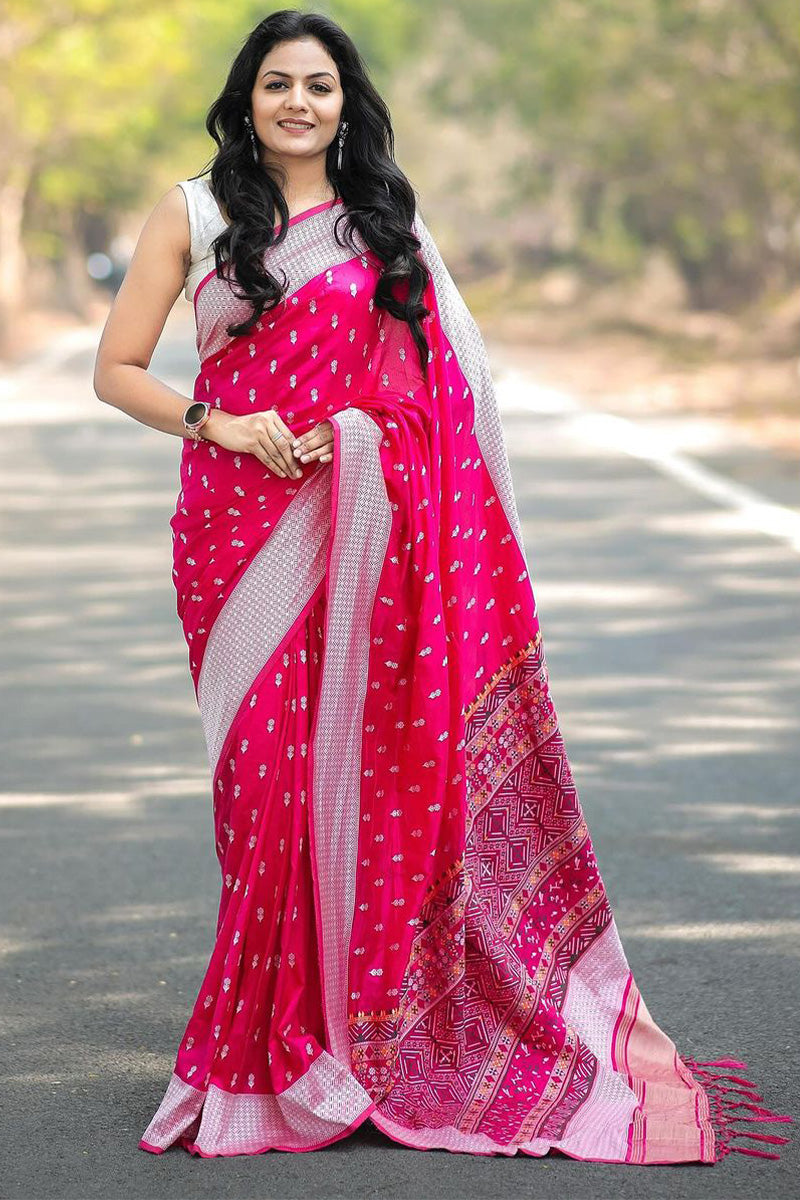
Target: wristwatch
195,417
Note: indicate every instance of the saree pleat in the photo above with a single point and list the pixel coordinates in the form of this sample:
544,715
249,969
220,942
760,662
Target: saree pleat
256,1037
357,547
266,602
413,927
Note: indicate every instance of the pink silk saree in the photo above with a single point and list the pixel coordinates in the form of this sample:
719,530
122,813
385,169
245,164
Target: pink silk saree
412,928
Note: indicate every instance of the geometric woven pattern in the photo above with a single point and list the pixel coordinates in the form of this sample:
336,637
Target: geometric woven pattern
412,924
482,973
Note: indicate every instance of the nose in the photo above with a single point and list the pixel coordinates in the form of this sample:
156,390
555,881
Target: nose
294,97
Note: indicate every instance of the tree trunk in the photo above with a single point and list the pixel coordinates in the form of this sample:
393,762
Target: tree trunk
13,189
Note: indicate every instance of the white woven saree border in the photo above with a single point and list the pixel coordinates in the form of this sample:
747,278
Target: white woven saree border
360,537
263,606
309,251
465,338
318,1107
598,1129
594,998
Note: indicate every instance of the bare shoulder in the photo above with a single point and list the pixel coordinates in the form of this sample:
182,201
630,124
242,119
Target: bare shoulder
168,224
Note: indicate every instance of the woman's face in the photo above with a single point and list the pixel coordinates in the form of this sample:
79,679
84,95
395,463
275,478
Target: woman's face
299,81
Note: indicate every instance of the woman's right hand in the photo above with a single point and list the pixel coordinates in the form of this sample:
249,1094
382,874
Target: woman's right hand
264,434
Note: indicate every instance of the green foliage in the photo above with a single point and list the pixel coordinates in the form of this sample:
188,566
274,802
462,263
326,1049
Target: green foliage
103,100
676,121
669,124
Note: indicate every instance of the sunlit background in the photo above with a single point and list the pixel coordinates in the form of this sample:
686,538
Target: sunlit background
614,186
614,183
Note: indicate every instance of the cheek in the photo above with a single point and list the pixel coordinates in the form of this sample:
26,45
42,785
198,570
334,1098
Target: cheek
330,113
267,103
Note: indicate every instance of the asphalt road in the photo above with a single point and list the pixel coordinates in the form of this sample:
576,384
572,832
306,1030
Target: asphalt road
670,629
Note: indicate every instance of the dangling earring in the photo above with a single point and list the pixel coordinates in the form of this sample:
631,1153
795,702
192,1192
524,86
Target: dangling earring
342,135
253,141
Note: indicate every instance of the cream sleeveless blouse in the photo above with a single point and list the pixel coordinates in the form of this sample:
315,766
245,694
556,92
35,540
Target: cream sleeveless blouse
309,251
205,223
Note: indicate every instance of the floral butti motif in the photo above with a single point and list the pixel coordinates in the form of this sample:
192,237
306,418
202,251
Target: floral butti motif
413,928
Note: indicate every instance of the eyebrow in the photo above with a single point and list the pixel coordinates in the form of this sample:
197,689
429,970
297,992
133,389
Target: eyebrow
313,75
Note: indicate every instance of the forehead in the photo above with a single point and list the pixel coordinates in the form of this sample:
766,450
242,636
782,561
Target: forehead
301,58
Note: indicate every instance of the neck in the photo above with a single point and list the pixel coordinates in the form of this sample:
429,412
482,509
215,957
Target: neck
306,181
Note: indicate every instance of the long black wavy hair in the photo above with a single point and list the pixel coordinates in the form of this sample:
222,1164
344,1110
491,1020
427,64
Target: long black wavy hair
379,201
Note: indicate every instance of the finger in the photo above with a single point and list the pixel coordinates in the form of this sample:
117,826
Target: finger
282,449
282,444
264,458
311,455
316,443
266,452
320,435
305,442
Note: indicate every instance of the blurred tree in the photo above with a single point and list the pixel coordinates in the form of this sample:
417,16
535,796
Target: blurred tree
670,123
100,98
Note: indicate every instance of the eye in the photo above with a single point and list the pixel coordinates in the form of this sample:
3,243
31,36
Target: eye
280,83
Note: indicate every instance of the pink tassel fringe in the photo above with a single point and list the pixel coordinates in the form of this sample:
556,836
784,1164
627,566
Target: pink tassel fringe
719,1062
721,1107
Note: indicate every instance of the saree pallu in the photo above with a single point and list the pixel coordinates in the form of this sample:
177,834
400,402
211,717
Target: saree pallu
412,928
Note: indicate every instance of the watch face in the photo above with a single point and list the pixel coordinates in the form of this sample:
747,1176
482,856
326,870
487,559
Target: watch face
194,412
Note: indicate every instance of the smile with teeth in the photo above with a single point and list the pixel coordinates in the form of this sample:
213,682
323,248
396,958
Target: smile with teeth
295,125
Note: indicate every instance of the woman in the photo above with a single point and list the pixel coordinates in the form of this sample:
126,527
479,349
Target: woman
412,927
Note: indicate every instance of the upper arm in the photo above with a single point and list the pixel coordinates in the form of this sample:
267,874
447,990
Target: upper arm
153,281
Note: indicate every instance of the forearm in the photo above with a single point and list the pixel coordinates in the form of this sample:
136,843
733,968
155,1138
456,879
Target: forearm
133,390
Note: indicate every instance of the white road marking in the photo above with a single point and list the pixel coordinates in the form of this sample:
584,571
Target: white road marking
517,393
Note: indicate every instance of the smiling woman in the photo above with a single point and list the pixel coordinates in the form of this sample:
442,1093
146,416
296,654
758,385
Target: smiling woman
276,97
412,928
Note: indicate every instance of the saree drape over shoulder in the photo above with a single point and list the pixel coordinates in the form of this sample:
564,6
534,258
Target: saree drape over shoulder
412,928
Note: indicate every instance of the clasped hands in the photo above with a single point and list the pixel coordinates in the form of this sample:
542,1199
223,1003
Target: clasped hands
266,435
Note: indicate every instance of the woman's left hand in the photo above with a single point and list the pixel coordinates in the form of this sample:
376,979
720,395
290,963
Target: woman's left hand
316,443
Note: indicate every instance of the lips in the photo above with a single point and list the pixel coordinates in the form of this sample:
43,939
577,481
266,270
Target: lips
295,124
